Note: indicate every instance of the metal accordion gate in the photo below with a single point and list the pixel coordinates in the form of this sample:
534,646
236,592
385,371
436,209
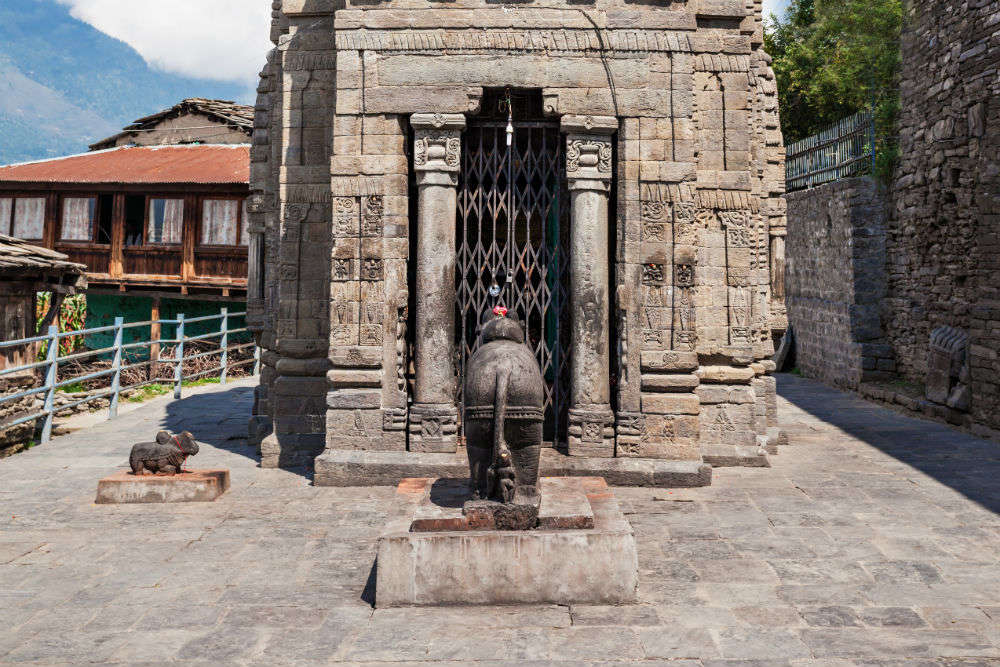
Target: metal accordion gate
513,246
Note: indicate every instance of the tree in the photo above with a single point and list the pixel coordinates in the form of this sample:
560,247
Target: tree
834,58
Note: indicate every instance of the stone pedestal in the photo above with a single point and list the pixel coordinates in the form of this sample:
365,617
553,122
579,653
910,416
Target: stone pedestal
457,564
357,468
588,173
436,161
193,486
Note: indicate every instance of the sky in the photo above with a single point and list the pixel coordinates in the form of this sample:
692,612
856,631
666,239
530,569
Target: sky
224,40
774,6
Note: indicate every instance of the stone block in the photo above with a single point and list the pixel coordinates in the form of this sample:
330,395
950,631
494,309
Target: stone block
728,456
598,565
668,362
671,404
725,374
669,383
187,487
738,394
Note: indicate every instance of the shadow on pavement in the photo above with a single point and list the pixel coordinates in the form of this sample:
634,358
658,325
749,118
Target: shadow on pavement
967,464
215,418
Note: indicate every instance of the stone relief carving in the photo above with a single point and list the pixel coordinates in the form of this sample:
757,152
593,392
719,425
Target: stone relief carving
342,269
372,269
445,147
652,210
345,217
584,152
948,373
371,217
653,274
684,275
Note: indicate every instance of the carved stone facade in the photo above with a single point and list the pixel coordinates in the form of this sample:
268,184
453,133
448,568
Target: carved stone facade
673,168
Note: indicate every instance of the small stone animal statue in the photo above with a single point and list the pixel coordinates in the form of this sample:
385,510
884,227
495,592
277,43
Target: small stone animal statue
504,399
166,456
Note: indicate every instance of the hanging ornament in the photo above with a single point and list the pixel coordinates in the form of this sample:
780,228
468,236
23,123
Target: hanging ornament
510,120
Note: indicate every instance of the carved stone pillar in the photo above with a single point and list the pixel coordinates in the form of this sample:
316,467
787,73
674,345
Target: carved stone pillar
437,152
588,170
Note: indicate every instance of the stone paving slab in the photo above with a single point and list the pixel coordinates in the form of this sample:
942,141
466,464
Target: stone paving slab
872,541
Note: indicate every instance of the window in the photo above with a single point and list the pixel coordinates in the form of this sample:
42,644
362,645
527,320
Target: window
6,207
135,220
220,221
29,218
244,225
78,218
105,219
166,221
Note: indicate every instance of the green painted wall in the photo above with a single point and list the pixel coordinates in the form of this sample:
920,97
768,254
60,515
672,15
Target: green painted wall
103,308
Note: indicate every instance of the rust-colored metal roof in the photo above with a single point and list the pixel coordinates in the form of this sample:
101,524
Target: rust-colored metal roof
189,164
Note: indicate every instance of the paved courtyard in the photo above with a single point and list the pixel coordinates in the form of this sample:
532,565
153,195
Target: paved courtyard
873,540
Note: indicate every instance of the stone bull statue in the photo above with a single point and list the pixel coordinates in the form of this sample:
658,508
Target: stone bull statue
504,399
166,456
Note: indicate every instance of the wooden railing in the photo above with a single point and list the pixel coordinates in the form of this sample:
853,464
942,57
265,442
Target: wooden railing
123,357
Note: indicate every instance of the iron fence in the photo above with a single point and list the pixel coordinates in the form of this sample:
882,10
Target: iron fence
844,149
121,355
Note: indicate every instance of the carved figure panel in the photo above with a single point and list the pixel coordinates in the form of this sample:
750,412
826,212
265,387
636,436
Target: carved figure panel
371,217
345,217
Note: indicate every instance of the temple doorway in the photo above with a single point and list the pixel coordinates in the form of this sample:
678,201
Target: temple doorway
513,237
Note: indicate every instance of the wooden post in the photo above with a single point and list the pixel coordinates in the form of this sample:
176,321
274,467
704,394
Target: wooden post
52,220
116,266
51,375
155,332
116,366
189,237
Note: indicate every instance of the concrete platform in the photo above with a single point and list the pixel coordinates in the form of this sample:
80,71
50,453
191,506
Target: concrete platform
192,486
460,566
340,467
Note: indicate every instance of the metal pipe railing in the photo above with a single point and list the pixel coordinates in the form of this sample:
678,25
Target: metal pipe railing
120,363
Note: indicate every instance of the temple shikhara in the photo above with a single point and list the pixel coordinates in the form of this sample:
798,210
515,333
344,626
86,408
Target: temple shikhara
609,172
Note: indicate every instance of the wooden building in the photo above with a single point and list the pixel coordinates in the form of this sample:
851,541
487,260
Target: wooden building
25,270
193,120
164,220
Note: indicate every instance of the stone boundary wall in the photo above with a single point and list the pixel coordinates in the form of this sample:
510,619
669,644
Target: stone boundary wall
944,237
835,280
16,438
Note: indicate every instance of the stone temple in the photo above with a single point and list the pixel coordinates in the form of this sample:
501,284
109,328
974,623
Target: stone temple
610,171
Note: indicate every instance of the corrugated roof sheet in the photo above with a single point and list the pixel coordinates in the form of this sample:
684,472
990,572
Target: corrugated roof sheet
194,163
18,257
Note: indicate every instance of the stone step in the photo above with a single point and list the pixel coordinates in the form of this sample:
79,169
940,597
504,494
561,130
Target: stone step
733,456
564,504
341,467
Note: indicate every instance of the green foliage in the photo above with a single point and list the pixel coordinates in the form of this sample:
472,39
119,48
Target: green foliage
72,317
834,58
201,382
146,392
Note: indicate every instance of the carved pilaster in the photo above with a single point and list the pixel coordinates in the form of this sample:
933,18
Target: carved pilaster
437,156
589,170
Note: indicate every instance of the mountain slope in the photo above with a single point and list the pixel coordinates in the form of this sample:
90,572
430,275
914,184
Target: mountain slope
64,84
